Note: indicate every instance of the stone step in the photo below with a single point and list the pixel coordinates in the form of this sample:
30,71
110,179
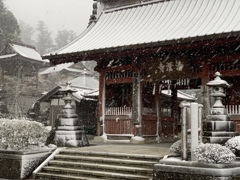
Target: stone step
93,173
113,155
77,164
105,160
44,175
103,167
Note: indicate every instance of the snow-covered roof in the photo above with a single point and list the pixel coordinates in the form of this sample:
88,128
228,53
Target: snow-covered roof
80,94
92,93
56,68
8,56
63,67
158,23
26,51
84,85
85,81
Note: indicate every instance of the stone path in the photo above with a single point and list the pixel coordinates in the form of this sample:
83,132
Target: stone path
160,149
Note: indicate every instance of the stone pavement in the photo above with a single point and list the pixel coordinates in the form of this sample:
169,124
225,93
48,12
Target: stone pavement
154,149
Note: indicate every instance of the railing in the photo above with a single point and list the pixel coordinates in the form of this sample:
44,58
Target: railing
232,109
118,111
119,74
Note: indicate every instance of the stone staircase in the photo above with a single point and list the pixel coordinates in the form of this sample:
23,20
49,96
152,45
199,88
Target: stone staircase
73,164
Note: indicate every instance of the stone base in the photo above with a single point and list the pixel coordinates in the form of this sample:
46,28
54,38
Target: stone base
70,138
175,169
102,138
217,117
20,164
137,140
227,126
216,140
69,122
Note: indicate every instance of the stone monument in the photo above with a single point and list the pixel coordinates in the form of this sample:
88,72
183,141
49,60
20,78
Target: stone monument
69,131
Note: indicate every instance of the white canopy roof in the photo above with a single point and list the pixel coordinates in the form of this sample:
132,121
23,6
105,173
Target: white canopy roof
159,22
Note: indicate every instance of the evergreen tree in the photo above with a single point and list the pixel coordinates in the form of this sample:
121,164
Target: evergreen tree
44,42
63,38
9,28
27,33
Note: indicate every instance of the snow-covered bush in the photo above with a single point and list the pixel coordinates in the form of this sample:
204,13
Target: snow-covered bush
233,144
177,147
214,153
20,134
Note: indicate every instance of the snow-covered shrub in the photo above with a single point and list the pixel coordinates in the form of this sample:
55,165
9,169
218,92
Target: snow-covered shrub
214,153
233,144
177,147
18,134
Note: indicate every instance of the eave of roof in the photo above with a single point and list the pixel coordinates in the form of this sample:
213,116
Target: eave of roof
45,97
155,24
8,56
26,52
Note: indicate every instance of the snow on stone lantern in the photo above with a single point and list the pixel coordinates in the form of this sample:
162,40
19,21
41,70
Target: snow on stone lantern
218,128
218,91
69,131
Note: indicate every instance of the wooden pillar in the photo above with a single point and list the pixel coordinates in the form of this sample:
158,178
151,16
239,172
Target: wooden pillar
160,110
205,73
174,107
157,99
137,103
101,104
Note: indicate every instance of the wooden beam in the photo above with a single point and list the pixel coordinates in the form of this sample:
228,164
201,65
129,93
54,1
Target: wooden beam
139,50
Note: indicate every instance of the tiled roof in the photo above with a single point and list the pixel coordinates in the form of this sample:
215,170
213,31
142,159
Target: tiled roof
159,22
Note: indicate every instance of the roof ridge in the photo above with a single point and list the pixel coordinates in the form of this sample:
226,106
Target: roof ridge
21,44
134,5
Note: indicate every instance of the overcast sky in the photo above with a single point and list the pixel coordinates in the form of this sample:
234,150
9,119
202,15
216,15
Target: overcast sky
57,14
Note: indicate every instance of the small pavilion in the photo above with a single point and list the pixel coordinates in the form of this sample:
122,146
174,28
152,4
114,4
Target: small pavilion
19,66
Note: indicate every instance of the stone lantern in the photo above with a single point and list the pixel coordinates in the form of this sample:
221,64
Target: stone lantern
218,128
218,91
69,131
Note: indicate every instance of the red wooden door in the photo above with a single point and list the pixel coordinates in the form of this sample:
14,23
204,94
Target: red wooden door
167,126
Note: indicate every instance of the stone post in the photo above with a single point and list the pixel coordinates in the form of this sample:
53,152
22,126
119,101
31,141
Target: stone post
195,120
184,105
194,128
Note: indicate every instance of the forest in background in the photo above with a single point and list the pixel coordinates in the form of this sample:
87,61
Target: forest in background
39,37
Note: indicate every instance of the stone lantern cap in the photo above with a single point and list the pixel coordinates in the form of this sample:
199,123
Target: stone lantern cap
218,81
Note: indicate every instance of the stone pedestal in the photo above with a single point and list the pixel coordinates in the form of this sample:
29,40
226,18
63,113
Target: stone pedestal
69,131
